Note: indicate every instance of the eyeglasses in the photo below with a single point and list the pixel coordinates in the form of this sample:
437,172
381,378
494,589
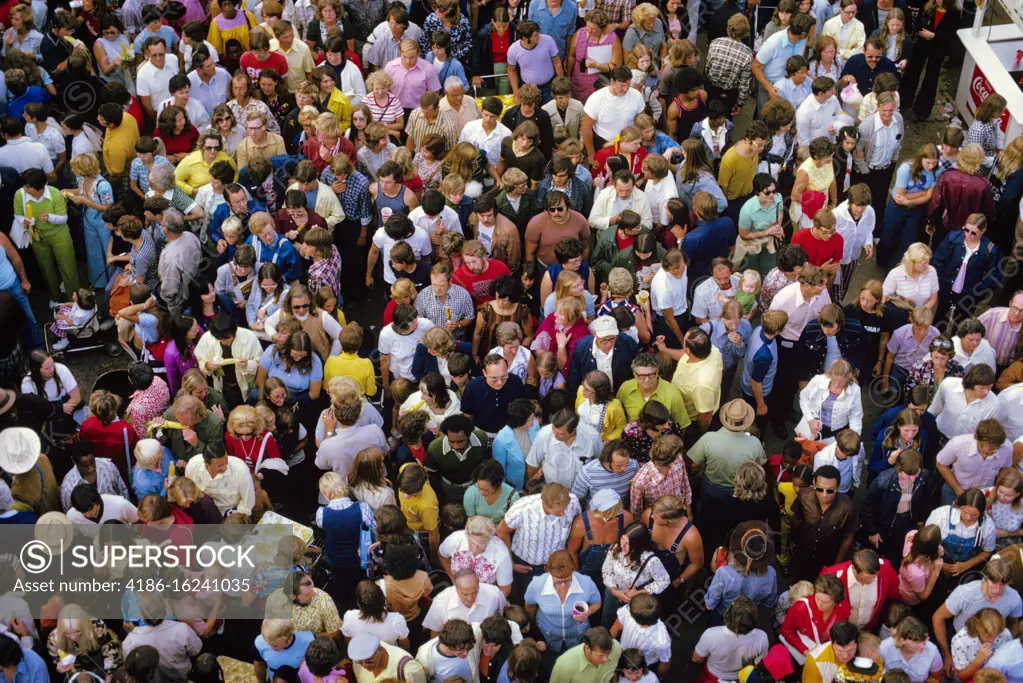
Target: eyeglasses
253,128
300,307
769,192
556,209
972,231
821,489
645,375
872,58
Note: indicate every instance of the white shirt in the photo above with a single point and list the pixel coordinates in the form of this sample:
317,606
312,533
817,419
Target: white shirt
389,630
603,360
1010,411
155,83
657,194
186,53
22,154
447,218
561,462
537,534
918,291
953,415
709,298
861,598
856,234
612,113
401,348
886,142
490,143
492,566
197,114
668,291
51,138
984,354
814,120
653,641
61,372
115,508
231,489
829,456
446,606
419,241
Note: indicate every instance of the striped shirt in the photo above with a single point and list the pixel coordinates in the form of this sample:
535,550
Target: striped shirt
144,261
418,128
886,143
594,476
537,534
389,112
1001,334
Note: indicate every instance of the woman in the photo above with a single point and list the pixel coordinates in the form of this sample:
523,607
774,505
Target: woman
967,534
1007,507
846,29
393,534
877,323
194,170
719,646
301,370
323,329
95,196
907,209
760,227
696,174
376,152
512,443
341,519
246,440
229,25
433,352
653,422
909,648
911,284
570,284
109,435
507,306
479,550
242,103
85,137
325,269
596,405
447,17
904,350
596,34
210,196
433,398
646,28
960,192
749,501
50,239
179,357
936,27
114,53
266,299
22,35
372,615
489,495
791,259
815,187
406,586
521,363
54,382
628,144
229,128
808,622
594,531
384,108
964,280
939,364
273,91
898,45
519,150
898,497
560,331
347,73
329,14
177,133
826,62
831,402
630,568
1007,188
95,648
368,479
904,434
551,600
974,643
145,159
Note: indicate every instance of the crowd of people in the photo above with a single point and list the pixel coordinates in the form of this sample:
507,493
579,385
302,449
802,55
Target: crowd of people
592,291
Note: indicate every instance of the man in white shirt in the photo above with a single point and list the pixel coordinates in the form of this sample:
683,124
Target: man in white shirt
21,153
181,89
153,79
487,133
209,83
224,478
961,403
468,599
1010,411
669,301
561,447
815,117
90,508
435,216
298,54
609,110
710,296
612,201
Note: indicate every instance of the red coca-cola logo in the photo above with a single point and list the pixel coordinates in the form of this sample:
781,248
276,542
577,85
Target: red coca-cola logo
980,89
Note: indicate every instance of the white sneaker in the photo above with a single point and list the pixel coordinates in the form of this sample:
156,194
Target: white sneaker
61,345
106,324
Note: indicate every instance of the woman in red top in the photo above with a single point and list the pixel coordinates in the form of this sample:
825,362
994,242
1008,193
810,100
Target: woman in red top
808,622
247,439
110,436
259,57
559,332
629,144
178,134
402,292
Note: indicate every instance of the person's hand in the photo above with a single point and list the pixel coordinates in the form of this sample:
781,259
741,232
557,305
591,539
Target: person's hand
603,291
18,626
772,91
80,46
522,568
984,653
221,246
64,668
190,437
361,242
26,286
929,229
541,646
212,366
814,425
884,382
761,409
901,64
68,408
736,110
953,568
613,220
869,248
10,35
735,338
592,63
893,456
292,235
369,281
451,325
326,154
659,342
948,665
218,411
876,540
562,339
925,34
477,82
329,420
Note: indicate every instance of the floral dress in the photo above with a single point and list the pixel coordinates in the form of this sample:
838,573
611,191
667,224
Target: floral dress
430,173
639,442
923,373
461,36
241,115
280,108
583,82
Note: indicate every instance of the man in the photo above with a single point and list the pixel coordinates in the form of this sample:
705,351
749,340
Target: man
877,151
384,45
533,528
528,109
455,651
918,401
153,80
468,599
612,201
815,117
452,458
554,18
412,76
607,351
710,296
830,334
345,437
260,142
823,525
298,54
973,461
199,427
179,260
761,366
738,166
665,474
22,153
592,662
1003,326
609,110
374,661
459,109
224,478
961,404
802,301
486,398
210,83
825,662
20,665
560,179
869,582
444,304
486,133
99,473
89,509
698,376
647,386
561,448
795,87
427,120
56,47
534,58
309,608
478,272
181,90
176,642
864,67
225,341
239,205
33,483
605,482
716,456
730,64
318,195
769,62
497,233
515,200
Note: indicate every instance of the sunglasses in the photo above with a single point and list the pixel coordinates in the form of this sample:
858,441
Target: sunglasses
942,343
212,148
972,231
223,119
769,192
300,307
556,209
821,489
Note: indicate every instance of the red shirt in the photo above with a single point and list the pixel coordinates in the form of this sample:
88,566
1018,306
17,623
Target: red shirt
254,67
389,312
818,251
248,450
311,151
479,285
180,144
499,46
135,109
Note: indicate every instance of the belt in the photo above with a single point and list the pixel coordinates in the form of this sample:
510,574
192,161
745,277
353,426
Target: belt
881,168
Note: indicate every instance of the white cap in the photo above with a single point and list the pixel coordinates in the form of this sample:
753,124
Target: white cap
605,499
604,326
363,646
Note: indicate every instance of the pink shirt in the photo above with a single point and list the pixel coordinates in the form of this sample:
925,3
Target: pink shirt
913,577
410,84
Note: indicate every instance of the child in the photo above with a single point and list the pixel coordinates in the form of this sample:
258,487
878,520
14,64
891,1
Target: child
453,189
989,676
440,56
986,129
843,454
921,564
152,468
749,289
801,476
234,282
400,390
74,314
531,287
518,619
868,645
640,60
349,364
715,131
322,663
459,367
419,504
632,668
780,18
550,375
951,140
326,300
779,467
412,427
795,593
637,626
450,248
429,160
896,612
137,328
659,188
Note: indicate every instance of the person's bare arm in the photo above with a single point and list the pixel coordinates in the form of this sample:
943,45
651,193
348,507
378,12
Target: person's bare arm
558,69
371,263
941,635
758,73
950,478
385,370
513,79
587,131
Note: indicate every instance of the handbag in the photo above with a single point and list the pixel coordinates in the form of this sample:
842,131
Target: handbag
365,541
20,227
120,293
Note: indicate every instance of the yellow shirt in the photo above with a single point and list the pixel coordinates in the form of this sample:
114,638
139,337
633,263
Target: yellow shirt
633,401
736,174
300,63
218,37
422,510
614,418
119,145
351,365
249,150
193,172
341,107
788,491
699,381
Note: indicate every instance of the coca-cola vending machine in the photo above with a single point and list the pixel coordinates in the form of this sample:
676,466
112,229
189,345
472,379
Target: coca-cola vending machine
993,64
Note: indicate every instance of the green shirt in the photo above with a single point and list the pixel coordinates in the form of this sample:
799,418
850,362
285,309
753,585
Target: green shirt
573,667
633,401
475,504
754,217
720,453
447,463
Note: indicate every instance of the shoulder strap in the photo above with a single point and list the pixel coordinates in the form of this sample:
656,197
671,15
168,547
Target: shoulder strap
621,523
401,667
127,451
641,568
262,450
682,534
586,525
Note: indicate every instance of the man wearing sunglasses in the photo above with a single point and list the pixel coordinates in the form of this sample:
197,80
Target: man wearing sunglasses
556,221
823,525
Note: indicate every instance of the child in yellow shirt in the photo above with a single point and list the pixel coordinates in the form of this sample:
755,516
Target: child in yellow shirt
349,364
802,476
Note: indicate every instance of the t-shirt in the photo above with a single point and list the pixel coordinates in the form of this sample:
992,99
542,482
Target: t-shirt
819,251
419,241
534,65
967,599
155,83
61,372
653,641
478,284
727,652
254,67
290,656
402,348
611,114
292,378
545,233
389,630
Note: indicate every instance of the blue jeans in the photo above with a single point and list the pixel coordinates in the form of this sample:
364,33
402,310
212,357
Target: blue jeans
96,239
32,333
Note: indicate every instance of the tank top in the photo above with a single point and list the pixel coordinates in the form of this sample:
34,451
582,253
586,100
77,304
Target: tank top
395,204
118,48
669,558
687,118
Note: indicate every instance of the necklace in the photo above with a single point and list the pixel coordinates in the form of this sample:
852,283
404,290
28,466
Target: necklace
247,451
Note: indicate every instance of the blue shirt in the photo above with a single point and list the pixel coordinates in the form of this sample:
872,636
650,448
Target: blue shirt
554,618
558,27
310,197
165,32
281,253
662,143
1009,660
775,51
8,276
904,180
792,92
16,107
707,241
31,669
292,378
729,583
452,67
730,353
864,75
144,482
488,406
290,656
506,450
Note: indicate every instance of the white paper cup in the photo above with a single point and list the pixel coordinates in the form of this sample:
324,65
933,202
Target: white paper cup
580,607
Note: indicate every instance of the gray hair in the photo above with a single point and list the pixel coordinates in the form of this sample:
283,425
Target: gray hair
173,221
453,83
162,177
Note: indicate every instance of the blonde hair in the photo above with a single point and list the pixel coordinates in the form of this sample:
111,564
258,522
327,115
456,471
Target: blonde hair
619,282
258,221
480,527
570,309
232,226
85,165
403,288
751,275
644,11
245,418
1011,158
88,641
379,79
403,157
332,486
308,114
327,124
970,159
276,630
148,453
800,590
918,252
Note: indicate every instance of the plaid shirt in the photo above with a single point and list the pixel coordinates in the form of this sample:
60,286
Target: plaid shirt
355,200
327,273
730,67
617,11
147,405
649,485
458,300
985,135
108,480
